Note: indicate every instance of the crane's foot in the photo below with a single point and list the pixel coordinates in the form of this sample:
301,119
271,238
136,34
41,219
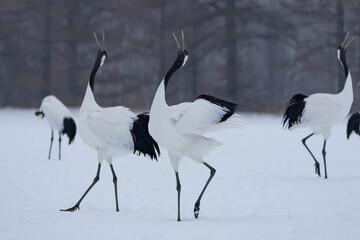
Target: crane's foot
196,210
72,209
317,169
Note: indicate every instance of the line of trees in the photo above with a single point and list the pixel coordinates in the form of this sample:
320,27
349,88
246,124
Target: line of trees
256,53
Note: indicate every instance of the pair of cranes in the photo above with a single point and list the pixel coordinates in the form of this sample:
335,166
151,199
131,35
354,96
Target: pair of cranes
180,129
116,131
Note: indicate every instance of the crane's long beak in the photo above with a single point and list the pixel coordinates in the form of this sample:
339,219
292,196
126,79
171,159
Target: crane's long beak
103,42
183,47
348,43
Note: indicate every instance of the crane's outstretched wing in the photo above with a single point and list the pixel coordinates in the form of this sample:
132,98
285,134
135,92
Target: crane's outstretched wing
206,113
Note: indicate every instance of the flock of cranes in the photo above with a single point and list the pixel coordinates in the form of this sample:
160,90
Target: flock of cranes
180,129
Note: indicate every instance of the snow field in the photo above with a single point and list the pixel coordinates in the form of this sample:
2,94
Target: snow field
265,187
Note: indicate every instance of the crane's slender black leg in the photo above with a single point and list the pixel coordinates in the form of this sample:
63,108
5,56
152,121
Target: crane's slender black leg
77,205
197,204
59,146
115,186
324,156
178,188
51,141
317,165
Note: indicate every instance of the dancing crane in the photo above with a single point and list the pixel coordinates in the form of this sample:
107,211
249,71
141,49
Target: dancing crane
181,128
113,131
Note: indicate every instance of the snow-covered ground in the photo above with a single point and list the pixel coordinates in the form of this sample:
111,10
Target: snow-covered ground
264,188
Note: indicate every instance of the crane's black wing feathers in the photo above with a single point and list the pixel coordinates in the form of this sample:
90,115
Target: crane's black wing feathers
294,110
229,107
353,124
143,141
69,128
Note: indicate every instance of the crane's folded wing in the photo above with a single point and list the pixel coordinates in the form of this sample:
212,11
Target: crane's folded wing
112,125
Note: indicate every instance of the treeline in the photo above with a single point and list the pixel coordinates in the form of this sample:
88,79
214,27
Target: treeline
256,53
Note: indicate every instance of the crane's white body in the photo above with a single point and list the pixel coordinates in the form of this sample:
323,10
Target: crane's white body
322,111
106,129
181,128
55,112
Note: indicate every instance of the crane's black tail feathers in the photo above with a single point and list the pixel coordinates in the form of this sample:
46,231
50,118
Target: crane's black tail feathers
294,110
69,128
143,141
229,107
353,124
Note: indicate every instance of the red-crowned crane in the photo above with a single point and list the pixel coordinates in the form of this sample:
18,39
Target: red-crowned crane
59,118
321,111
113,131
180,129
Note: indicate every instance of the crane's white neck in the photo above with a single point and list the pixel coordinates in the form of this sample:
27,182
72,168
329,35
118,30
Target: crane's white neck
348,87
89,103
347,92
159,101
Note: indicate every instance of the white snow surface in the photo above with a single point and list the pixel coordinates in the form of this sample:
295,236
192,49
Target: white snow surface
265,187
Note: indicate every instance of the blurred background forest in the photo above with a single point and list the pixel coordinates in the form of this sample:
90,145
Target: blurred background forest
256,53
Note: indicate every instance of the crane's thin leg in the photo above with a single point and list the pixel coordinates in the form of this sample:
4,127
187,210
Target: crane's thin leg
324,156
178,188
197,204
317,165
51,141
59,146
77,205
115,186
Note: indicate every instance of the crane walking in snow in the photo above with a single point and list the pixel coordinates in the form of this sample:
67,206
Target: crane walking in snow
59,119
181,128
113,131
321,111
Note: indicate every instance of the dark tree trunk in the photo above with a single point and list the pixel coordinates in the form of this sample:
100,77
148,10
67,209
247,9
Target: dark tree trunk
231,50
194,64
72,64
47,45
162,41
339,84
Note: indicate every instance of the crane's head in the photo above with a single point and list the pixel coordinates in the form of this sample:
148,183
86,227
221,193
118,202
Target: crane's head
101,53
182,55
341,50
39,114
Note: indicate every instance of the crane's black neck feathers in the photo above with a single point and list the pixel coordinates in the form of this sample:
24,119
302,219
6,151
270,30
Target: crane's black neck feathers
96,67
143,141
177,64
353,124
294,110
228,107
343,60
